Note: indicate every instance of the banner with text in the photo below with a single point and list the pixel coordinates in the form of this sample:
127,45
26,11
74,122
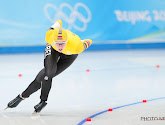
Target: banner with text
24,23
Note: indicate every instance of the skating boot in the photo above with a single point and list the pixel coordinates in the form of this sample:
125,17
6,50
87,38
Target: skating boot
13,103
39,106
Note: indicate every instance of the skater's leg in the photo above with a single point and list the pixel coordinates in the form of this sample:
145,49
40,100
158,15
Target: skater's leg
35,85
64,62
50,64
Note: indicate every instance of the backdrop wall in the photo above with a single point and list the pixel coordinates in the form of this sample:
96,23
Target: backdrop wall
111,24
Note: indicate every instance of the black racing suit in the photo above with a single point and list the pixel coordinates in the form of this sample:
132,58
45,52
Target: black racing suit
54,64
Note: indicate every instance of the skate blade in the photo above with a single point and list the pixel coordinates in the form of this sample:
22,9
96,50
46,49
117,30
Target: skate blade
35,113
5,108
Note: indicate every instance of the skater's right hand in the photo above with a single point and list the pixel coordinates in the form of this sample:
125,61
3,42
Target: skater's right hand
57,25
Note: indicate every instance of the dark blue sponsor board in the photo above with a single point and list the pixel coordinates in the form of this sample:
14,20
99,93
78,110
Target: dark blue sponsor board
94,47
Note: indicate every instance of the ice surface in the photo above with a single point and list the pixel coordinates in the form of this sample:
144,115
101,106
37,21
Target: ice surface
116,78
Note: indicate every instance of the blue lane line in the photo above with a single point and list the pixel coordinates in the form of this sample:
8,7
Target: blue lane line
82,122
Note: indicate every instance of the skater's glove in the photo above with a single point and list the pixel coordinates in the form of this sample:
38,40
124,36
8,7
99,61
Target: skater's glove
57,25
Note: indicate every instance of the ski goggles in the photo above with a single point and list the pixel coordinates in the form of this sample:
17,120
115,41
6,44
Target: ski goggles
60,43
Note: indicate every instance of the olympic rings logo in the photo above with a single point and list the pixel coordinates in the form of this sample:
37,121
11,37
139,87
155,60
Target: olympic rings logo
72,17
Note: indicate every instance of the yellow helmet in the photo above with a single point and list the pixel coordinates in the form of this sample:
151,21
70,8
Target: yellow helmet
60,34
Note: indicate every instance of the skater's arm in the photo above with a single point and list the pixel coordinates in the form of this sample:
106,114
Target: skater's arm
86,43
79,44
83,45
56,25
49,33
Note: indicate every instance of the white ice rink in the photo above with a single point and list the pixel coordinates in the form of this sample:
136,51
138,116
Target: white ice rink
116,78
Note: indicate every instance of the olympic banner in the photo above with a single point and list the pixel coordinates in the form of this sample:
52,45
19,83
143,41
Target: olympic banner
24,23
